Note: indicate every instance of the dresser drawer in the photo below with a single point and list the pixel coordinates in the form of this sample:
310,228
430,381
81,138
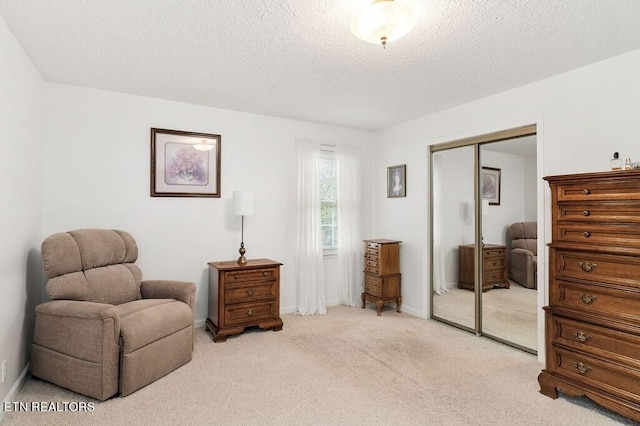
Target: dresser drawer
596,340
601,191
614,269
608,211
597,299
612,377
249,292
372,246
601,234
266,274
249,313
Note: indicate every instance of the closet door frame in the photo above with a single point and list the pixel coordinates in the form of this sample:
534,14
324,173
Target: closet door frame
475,141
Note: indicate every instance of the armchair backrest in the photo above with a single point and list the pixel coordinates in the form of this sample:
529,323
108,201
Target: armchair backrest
92,265
524,235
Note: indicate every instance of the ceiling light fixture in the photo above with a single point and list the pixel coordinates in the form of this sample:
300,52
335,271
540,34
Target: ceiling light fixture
383,21
204,145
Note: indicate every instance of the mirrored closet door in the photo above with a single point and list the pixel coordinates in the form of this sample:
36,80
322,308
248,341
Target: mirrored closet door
484,236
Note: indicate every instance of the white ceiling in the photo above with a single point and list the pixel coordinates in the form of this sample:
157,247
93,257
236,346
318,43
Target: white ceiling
297,58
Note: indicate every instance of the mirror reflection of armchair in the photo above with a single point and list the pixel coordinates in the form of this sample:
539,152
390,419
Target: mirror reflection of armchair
523,253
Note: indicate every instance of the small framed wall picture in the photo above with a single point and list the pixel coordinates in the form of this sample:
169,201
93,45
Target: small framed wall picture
185,164
491,185
397,181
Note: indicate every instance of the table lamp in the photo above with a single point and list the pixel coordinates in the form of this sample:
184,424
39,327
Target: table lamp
242,206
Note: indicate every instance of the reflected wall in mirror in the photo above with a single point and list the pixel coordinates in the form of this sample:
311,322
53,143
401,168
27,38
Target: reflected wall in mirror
453,226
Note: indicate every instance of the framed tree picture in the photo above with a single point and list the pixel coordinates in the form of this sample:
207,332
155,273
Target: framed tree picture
490,178
185,164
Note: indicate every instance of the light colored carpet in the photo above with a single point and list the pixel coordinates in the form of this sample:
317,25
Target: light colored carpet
343,368
507,313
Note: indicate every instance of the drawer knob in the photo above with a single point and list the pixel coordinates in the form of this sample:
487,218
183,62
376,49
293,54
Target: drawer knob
587,266
235,276
586,213
265,273
495,263
251,292
586,298
586,192
581,367
586,234
581,336
250,312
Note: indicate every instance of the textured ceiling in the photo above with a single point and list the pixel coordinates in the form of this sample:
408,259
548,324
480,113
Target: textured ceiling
297,58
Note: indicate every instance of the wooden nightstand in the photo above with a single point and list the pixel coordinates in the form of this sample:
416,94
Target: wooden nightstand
242,296
382,280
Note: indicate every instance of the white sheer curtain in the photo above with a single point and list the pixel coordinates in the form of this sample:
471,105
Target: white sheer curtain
348,172
439,281
309,271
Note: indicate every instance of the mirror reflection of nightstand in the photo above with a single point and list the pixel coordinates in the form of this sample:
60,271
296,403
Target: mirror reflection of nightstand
494,271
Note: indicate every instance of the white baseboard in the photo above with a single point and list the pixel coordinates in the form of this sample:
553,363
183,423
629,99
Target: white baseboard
14,389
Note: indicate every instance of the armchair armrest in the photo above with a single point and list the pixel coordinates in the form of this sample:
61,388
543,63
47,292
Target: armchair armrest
521,258
183,291
57,320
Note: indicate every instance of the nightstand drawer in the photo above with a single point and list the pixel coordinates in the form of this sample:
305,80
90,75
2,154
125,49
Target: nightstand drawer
248,292
491,253
249,313
495,263
267,274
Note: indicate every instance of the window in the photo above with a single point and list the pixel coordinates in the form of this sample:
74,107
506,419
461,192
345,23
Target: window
328,209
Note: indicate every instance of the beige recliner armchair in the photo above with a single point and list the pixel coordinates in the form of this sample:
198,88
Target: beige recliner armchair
107,331
523,254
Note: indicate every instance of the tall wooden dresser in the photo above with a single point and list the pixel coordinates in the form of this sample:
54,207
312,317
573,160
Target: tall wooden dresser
593,316
382,279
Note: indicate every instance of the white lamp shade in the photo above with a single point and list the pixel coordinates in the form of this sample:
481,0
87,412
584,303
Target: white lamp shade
485,208
242,203
383,18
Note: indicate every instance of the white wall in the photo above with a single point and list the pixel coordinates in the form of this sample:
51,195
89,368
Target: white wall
97,149
583,116
530,184
21,201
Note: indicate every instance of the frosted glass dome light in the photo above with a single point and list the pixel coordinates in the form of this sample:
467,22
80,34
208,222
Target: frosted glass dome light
383,21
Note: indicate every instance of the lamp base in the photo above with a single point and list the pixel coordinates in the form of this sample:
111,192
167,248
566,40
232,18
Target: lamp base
242,260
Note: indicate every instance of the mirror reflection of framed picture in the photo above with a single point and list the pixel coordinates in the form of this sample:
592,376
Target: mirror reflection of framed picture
397,181
490,178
